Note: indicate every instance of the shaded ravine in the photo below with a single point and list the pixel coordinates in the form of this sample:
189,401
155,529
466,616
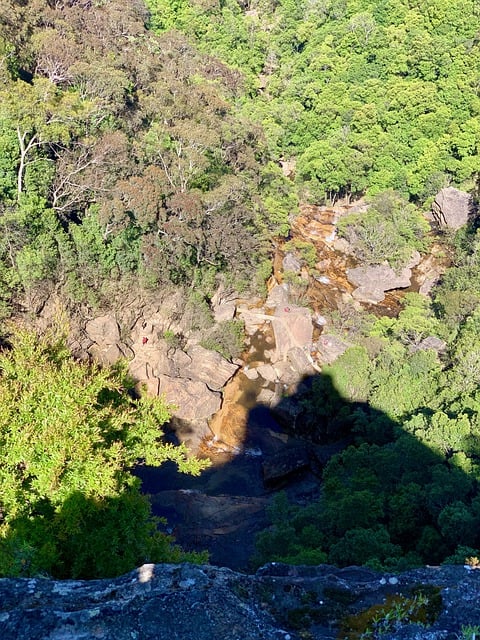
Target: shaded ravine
223,508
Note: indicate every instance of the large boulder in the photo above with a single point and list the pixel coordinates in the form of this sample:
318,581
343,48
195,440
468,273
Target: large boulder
330,347
108,354
103,330
224,311
104,334
301,361
278,296
452,208
373,281
291,263
287,463
151,360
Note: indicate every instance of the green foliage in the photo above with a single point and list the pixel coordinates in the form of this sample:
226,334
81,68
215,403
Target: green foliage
391,229
305,250
69,434
227,338
367,98
406,491
469,632
423,607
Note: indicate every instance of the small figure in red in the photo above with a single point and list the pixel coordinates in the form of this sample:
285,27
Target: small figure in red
144,340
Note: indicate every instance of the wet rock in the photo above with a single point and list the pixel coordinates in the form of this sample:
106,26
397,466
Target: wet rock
265,397
286,410
223,524
286,373
281,467
191,432
267,372
251,374
452,208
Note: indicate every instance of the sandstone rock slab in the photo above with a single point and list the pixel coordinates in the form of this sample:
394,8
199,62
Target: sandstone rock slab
373,281
209,367
330,347
193,399
291,263
292,327
103,330
224,311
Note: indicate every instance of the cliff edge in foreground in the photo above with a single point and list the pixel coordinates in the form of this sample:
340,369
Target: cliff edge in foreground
279,602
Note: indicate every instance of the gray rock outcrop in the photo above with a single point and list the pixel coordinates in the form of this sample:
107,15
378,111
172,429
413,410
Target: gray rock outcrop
452,208
279,602
330,347
291,263
373,281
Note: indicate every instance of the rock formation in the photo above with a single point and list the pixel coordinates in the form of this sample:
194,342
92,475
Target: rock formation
373,281
279,602
452,208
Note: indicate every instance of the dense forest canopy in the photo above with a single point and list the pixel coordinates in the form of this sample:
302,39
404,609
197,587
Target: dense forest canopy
126,154
365,95
122,155
142,144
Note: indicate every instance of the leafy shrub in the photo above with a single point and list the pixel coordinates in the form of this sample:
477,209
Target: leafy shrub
69,434
226,338
391,229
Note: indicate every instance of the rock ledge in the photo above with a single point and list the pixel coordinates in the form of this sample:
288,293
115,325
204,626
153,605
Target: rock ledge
190,602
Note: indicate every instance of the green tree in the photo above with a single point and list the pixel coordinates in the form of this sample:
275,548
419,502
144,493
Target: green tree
69,435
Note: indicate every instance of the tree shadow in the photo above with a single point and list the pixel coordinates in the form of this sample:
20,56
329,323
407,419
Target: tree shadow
359,489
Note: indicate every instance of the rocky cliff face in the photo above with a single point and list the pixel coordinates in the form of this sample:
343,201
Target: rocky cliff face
279,602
